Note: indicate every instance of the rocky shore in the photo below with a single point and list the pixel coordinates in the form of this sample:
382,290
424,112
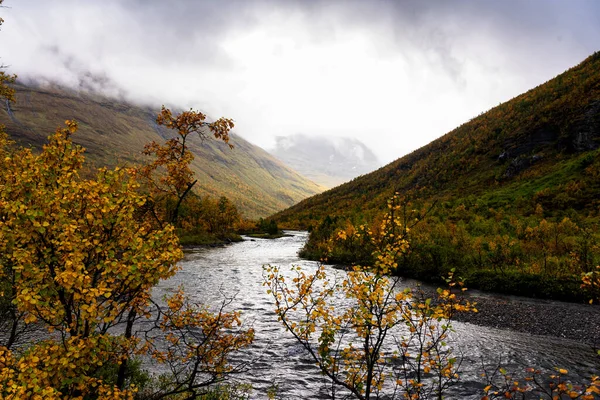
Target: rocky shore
579,322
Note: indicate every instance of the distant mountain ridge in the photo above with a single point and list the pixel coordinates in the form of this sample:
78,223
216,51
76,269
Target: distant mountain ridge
327,161
542,147
114,133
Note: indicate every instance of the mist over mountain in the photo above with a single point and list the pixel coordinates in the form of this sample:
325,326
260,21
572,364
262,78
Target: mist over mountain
114,132
328,161
260,62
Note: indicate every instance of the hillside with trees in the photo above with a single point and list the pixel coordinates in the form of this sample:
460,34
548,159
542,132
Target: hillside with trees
510,198
114,132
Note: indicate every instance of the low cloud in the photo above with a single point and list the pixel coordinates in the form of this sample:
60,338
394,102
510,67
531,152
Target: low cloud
393,74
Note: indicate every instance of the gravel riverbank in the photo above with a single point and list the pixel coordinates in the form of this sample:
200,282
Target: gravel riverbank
579,322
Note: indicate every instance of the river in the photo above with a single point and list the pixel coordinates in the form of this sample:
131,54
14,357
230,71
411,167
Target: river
209,274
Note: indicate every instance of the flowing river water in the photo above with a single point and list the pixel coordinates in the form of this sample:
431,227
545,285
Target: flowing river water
279,362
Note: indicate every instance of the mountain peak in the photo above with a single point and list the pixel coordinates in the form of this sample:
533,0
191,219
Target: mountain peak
328,161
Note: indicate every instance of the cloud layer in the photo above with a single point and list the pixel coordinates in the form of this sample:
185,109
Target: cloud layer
394,74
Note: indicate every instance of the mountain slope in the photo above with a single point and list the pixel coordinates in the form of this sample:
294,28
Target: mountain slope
541,146
114,132
327,161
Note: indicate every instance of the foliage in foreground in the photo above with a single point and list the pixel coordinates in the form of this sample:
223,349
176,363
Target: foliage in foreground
384,341
79,260
555,386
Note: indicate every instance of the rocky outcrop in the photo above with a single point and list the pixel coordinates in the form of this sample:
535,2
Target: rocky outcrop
520,163
584,135
543,137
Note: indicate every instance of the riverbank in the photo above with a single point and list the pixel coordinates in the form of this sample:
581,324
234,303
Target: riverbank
268,235
208,240
574,321
580,322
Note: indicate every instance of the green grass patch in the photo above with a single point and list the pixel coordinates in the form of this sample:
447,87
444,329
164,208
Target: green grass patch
208,239
268,235
528,285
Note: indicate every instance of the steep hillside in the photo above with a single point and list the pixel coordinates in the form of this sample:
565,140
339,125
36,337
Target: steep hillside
327,161
541,146
114,132
510,200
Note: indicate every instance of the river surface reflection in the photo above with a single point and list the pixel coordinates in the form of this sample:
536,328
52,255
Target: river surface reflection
209,274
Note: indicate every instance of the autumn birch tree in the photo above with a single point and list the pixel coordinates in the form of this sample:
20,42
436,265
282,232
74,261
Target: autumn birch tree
82,258
384,340
82,261
169,176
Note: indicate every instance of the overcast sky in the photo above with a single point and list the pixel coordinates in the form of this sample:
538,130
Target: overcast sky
393,74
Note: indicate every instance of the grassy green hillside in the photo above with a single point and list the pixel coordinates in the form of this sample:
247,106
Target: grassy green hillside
114,132
511,199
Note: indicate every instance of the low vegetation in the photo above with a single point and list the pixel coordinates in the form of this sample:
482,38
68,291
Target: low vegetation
494,250
265,229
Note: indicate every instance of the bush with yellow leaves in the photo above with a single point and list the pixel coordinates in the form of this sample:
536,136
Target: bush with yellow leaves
384,340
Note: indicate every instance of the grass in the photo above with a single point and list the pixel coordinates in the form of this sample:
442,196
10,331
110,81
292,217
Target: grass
268,235
208,239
